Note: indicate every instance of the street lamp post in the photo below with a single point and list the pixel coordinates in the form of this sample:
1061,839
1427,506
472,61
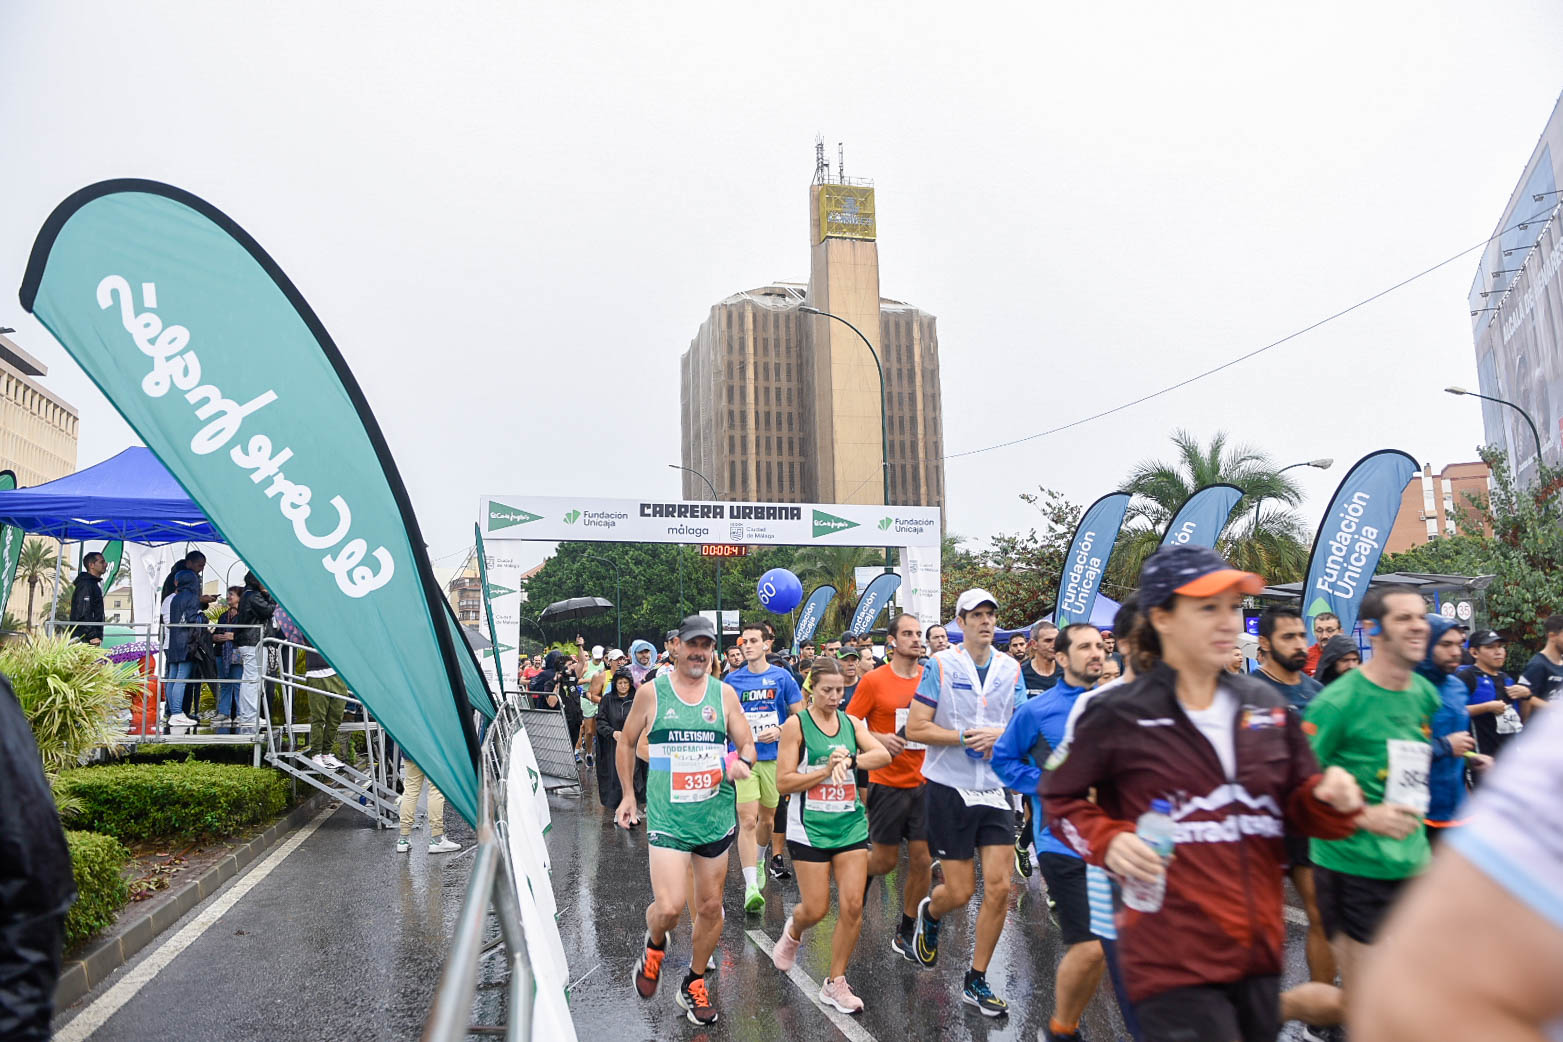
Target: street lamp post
618,597
1535,433
717,496
1319,464
884,407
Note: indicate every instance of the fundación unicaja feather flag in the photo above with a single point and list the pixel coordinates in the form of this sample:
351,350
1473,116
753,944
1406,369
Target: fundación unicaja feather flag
875,596
813,611
1081,578
1352,535
215,359
1202,516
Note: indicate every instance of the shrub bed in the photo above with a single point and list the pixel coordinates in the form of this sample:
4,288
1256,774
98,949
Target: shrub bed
148,752
96,861
181,800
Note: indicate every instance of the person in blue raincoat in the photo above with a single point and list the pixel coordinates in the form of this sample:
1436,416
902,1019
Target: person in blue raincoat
1451,727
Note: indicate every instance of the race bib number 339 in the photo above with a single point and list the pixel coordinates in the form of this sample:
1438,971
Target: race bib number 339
696,771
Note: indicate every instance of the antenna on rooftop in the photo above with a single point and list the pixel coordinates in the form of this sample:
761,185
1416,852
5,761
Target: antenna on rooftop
821,166
841,163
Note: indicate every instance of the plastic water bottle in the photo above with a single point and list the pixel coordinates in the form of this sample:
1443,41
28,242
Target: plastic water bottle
1155,829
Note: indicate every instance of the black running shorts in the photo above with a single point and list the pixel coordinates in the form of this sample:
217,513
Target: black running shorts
895,814
1355,905
1065,878
956,830
1248,1010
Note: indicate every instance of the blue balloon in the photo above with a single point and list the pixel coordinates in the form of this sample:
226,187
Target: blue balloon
779,591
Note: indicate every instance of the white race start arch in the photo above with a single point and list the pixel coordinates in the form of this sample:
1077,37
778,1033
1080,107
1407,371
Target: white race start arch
509,520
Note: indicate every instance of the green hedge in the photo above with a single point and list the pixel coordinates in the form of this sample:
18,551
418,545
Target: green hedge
149,752
96,862
173,800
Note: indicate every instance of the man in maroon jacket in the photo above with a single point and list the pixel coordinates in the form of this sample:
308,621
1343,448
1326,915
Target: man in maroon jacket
1235,767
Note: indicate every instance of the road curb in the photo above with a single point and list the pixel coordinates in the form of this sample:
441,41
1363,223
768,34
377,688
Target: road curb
85,972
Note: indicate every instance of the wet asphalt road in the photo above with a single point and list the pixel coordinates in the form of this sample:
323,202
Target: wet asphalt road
603,889
344,940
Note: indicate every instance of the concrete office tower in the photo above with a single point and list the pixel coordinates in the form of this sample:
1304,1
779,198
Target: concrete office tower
782,406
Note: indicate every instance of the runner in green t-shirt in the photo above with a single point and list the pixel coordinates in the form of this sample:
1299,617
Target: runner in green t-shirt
691,816
1375,722
827,830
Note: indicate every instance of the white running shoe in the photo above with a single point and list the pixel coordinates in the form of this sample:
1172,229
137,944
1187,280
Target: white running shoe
403,845
836,992
331,761
325,761
180,720
443,845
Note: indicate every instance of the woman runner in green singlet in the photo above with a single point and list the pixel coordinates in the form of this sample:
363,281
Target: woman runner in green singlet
828,827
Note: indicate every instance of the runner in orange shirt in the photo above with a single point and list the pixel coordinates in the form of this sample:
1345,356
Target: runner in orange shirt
895,792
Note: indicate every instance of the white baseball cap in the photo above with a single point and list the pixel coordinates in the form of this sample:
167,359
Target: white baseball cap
973,598
597,651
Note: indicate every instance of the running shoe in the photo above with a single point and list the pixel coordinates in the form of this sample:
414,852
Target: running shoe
1331,1034
786,951
925,942
578,757
443,845
1052,1036
696,1001
905,944
591,761
1022,859
403,845
836,992
778,867
648,969
754,901
977,993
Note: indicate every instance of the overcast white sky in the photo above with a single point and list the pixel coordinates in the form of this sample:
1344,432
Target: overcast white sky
513,217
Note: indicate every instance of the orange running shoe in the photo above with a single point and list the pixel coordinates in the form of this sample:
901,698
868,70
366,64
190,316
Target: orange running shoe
694,997
648,969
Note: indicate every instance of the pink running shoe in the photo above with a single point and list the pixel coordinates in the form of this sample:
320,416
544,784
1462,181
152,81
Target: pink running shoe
786,951
836,992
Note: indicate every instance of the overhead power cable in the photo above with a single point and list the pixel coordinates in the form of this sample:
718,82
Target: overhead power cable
1247,355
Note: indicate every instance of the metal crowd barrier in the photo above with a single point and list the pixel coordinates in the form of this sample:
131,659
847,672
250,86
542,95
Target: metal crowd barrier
491,887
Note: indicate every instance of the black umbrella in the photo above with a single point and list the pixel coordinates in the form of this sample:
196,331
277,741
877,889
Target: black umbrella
576,608
475,640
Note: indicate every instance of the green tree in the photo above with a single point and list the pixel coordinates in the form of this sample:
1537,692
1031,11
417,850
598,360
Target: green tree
33,565
1020,569
1522,553
837,566
648,591
1272,543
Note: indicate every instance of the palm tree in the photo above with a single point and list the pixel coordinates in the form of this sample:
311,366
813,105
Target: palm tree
835,565
1272,543
34,563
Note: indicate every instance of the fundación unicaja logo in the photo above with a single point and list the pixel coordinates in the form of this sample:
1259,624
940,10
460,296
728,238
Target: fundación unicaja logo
885,523
502,516
572,517
827,524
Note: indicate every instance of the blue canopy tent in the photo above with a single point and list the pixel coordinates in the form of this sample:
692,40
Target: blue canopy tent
1102,615
131,496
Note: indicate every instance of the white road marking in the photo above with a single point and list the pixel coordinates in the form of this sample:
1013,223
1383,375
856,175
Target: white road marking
1295,915
106,1005
810,988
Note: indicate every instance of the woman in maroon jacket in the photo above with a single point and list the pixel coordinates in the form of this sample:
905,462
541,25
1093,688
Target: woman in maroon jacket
1235,767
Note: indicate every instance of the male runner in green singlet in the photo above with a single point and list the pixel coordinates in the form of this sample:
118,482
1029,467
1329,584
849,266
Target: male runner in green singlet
691,813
